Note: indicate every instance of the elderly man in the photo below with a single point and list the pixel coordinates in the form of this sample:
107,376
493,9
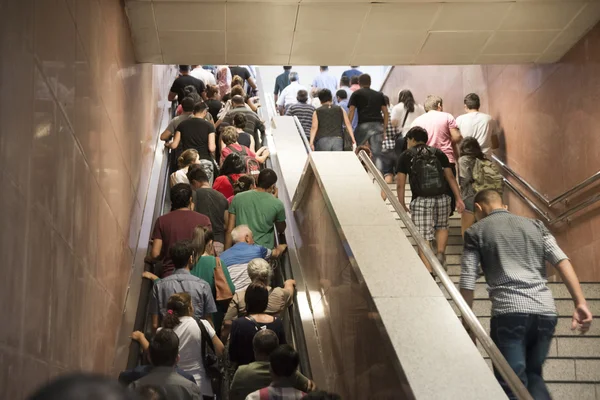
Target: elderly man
242,252
289,95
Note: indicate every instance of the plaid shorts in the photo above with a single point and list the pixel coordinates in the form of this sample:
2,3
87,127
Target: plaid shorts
430,214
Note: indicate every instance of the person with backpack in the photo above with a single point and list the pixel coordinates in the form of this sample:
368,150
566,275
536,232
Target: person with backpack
430,176
232,168
251,160
476,173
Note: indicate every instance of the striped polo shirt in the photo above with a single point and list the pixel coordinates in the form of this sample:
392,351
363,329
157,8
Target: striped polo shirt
304,112
237,258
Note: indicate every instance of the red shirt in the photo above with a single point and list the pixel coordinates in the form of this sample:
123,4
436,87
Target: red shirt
173,227
223,185
227,151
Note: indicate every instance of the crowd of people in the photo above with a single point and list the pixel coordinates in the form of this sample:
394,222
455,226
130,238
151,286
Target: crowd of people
217,328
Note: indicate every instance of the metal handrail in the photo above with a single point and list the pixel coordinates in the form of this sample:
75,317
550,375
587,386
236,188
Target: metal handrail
302,134
468,316
548,202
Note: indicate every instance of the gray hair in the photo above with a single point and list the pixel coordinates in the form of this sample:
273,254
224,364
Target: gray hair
293,76
240,232
432,102
259,270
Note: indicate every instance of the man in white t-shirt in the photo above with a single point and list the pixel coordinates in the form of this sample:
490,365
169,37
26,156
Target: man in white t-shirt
204,75
479,125
289,94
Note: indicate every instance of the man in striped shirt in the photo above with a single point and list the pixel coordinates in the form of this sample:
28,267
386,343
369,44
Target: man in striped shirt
513,252
303,111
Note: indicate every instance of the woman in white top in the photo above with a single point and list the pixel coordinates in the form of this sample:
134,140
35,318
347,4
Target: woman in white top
406,111
179,319
187,158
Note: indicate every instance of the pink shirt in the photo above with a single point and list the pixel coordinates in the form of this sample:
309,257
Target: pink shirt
438,125
227,151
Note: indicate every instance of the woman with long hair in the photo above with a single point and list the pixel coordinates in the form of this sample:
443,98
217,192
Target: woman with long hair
470,151
232,168
244,329
184,161
180,319
406,111
205,270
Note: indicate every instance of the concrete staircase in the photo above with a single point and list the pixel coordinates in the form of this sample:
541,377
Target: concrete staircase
572,369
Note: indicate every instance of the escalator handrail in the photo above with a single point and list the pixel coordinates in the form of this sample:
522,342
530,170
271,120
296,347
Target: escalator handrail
468,316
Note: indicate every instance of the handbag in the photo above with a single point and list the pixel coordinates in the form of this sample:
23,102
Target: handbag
210,360
222,289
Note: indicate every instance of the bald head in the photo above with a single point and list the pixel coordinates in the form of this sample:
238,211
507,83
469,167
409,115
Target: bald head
264,343
242,233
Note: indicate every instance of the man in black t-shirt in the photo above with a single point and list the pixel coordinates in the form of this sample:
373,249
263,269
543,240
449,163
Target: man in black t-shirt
430,205
185,79
243,73
372,118
197,133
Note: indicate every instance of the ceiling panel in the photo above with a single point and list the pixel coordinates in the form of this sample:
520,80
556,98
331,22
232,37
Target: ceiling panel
520,42
401,17
362,32
322,17
471,17
455,42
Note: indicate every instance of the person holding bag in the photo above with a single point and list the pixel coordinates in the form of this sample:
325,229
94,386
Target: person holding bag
403,115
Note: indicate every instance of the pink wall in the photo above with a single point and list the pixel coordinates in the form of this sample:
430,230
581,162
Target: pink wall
79,128
549,115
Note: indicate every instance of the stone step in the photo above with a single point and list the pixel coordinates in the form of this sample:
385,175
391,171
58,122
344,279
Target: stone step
563,327
482,308
559,291
568,370
579,347
452,240
453,231
574,391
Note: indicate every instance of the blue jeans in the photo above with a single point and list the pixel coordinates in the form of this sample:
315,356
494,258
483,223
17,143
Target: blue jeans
330,143
524,340
372,132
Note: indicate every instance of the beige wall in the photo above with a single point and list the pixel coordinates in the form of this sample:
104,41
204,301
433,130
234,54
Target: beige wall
549,116
79,124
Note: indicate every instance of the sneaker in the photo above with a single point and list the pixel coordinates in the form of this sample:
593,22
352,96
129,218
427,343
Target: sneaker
442,259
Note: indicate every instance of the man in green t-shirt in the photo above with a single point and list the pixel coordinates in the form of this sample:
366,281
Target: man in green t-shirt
260,209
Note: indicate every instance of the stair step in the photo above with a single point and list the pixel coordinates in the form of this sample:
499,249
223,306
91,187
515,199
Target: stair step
559,291
482,308
578,347
453,222
453,231
452,241
574,391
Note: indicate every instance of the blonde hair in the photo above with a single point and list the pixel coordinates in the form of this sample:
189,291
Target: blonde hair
229,135
187,158
238,91
237,81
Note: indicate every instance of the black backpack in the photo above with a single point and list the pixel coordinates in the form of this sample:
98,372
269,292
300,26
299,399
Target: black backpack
426,174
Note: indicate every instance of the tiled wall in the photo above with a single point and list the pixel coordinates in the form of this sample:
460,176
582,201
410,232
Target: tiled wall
549,118
79,121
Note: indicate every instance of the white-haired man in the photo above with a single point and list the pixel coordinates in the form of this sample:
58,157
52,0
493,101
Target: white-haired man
242,252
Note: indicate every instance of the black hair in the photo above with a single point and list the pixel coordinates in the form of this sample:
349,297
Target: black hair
226,97
266,178
284,361
257,298
418,134
386,100
341,94
287,67
189,89
322,395
344,81
233,164
82,386
487,196
181,252
187,104
151,392
181,194
302,96
406,97
324,67
199,107
239,120
265,342
325,95
184,68
472,101
364,80
178,306
354,80
237,99
197,174
471,147
164,348
243,184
